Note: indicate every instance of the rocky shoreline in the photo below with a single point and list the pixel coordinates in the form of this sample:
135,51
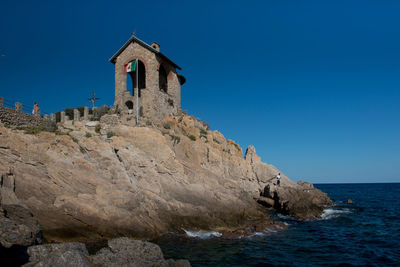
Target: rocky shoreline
108,179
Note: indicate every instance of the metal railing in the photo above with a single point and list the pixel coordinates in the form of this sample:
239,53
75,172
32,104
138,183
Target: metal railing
24,108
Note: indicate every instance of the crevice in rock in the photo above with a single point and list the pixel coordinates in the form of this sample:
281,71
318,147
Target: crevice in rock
118,157
79,220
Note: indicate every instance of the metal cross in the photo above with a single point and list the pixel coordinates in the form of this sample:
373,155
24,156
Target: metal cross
93,100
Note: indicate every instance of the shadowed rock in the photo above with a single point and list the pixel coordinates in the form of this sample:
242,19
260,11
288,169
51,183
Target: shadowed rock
129,252
65,254
120,252
18,227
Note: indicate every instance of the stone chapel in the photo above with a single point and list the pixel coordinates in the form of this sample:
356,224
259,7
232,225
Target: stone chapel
159,92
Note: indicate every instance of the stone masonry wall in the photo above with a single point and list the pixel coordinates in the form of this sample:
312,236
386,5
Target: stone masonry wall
13,117
155,103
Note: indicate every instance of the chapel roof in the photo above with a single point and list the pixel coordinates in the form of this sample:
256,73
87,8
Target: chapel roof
145,45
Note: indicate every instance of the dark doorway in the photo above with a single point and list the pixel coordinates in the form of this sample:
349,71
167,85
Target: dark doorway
131,82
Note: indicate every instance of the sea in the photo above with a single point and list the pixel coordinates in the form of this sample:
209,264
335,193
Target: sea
364,233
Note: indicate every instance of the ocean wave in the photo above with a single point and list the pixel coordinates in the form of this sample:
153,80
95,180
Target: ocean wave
331,213
202,234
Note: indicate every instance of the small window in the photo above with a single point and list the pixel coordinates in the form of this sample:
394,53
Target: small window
129,104
162,79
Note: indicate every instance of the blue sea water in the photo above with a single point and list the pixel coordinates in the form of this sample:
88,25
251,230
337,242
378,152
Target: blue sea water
366,232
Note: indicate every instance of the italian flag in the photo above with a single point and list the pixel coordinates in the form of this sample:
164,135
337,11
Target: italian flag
131,66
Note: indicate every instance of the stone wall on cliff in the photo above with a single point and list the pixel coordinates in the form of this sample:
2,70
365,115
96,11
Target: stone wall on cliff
14,117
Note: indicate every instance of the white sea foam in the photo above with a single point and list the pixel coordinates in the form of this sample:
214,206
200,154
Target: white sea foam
202,234
257,234
270,230
331,213
285,217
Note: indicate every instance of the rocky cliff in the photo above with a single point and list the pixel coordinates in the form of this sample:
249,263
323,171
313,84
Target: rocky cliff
108,178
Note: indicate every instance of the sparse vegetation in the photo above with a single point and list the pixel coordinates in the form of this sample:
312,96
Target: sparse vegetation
227,151
73,138
88,135
216,141
7,126
167,125
60,133
149,123
176,139
208,154
192,137
203,132
31,130
184,131
237,146
97,128
110,134
186,154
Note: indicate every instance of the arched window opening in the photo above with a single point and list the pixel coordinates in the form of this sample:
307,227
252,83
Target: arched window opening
162,79
130,82
129,104
131,85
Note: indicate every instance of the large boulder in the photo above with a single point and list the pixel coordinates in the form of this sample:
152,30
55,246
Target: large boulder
129,252
303,202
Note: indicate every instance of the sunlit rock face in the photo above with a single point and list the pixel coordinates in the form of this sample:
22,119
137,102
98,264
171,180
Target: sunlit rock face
142,181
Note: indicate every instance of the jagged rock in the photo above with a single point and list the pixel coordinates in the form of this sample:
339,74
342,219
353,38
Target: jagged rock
305,185
18,227
301,204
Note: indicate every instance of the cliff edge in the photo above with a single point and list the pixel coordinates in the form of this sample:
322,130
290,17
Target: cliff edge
109,179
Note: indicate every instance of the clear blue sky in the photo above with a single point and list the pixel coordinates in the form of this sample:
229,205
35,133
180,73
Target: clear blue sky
314,85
